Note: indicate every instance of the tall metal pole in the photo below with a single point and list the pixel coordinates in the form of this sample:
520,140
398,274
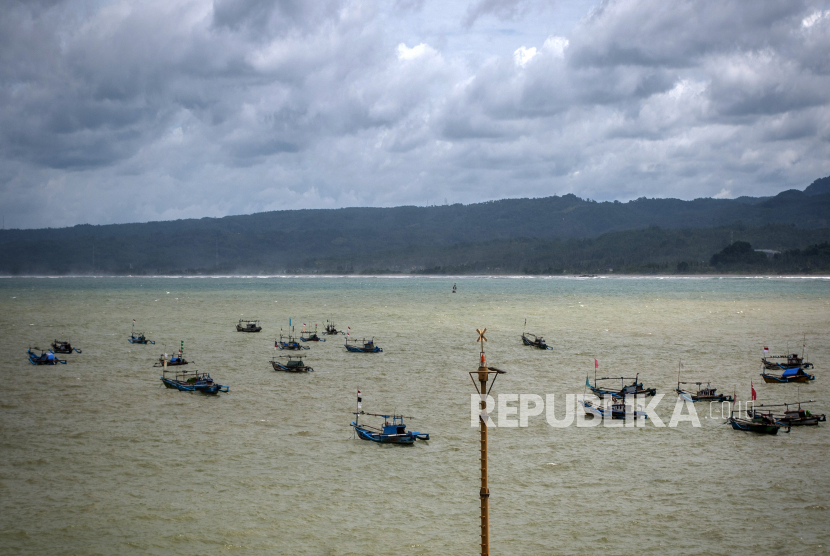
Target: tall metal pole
484,493
483,375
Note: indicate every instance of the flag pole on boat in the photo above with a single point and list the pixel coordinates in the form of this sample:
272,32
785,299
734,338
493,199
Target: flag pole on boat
483,375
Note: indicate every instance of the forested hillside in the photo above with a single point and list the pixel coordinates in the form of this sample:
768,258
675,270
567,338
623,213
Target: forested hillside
553,235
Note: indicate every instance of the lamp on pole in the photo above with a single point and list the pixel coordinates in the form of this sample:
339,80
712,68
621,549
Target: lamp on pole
483,376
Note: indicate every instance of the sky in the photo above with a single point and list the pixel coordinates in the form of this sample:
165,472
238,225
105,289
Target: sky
117,111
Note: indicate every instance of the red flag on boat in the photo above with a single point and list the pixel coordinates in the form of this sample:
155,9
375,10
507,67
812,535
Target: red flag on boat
766,349
596,363
754,394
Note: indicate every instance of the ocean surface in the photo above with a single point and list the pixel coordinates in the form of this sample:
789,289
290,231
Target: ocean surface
96,457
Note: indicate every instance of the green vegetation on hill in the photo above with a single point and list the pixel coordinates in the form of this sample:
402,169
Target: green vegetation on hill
549,235
650,251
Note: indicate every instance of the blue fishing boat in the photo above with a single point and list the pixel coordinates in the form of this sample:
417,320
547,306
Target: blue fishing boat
292,364
617,410
794,374
633,389
175,360
63,347
138,337
45,357
392,432
363,346
192,382
289,342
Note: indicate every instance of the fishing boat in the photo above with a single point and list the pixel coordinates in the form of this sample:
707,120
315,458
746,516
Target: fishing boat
362,346
331,329
45,357
791,417
634,389
293,364
703,394
310,336
762,423
617,410
794,374
248,326
63,347
535,341
138,337
192,382
175,360
793,360
289,342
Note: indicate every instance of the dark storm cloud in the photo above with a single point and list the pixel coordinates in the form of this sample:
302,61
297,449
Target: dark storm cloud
217,107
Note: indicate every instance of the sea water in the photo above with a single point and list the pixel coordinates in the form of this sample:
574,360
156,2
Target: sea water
96,457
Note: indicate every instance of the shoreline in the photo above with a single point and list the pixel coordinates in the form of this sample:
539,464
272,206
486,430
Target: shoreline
443,276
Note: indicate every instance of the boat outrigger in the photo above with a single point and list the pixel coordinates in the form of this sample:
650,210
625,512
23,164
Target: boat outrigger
794,374
192,382
791,417
331,329
535,341
762,423
290,342
363,346
248,326
45,357
59,346
310,336
616,410
293,364
633,389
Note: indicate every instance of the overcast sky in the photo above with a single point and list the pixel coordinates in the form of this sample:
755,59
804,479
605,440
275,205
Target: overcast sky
162,109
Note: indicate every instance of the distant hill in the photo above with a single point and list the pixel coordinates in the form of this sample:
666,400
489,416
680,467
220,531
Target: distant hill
306,239
818,187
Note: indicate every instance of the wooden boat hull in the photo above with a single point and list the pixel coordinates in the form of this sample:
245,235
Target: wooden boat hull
602,412
804,422
695,398
312,339
294,346
619,394
40,360
355,349
528,342
205,388
772,379
245,329
61,348
280,367
407,438
749,426
142,341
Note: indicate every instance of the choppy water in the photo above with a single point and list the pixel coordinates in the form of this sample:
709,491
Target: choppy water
97,458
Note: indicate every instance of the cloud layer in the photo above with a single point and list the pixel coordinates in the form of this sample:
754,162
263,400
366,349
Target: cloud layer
117,111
